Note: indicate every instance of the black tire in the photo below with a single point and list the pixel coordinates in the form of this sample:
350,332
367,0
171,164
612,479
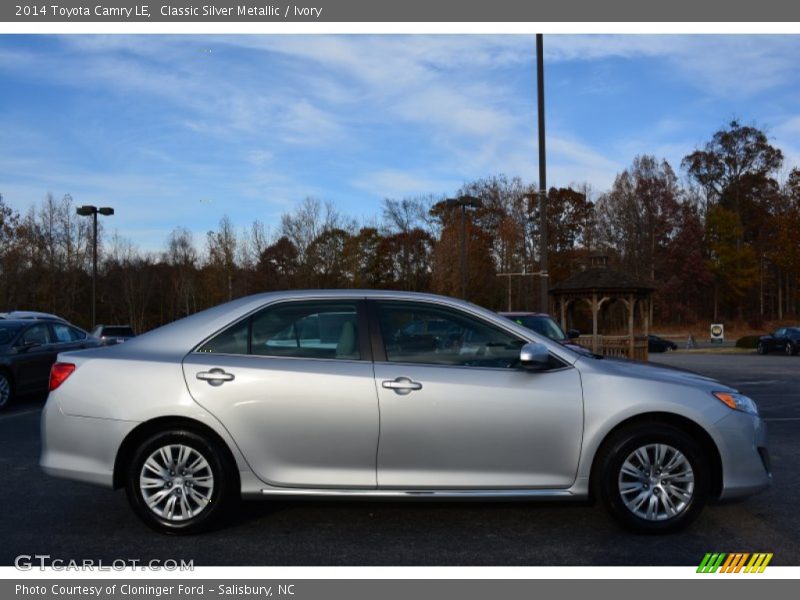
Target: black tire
6,390
791,350
612,456
223,476
762,348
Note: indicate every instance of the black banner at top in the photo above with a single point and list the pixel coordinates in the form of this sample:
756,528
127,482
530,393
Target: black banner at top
399,11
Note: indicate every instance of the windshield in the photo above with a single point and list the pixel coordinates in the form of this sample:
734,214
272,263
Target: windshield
542,325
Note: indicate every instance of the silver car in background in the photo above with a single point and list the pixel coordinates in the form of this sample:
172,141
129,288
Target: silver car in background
396,395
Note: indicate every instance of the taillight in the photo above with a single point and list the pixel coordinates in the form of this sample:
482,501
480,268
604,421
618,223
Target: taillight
59,373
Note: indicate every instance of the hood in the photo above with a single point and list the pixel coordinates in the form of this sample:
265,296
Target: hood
650,372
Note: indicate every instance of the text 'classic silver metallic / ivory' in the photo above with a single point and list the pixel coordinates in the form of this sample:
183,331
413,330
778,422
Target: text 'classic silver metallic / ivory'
396,395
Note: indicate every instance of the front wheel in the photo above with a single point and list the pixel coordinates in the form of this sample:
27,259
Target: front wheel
762,348
179,482
791,350
6,390
653,478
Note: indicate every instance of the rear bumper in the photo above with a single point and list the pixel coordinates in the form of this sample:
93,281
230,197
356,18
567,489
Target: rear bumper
745,458
80,448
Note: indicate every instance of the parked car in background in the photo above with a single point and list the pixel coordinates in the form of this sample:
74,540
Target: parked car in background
28,348
545,325
783,339
225,403
113,334
659,344
31,314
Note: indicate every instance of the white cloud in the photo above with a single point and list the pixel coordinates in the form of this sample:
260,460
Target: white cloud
395,183
717,64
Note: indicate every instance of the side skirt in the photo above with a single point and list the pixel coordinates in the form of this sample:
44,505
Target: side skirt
507,494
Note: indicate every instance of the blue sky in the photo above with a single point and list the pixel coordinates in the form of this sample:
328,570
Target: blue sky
179,130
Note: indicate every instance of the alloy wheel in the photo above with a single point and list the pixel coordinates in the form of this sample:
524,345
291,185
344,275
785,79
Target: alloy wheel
656,482
176,482
5,391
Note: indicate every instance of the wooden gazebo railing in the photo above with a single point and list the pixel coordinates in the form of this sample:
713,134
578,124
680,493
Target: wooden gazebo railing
617,346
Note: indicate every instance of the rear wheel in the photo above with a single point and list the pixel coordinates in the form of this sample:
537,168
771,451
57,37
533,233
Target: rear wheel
6,390
653,478
791,350
762,348
179,482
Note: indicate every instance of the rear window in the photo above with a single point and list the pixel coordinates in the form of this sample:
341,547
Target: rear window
117,332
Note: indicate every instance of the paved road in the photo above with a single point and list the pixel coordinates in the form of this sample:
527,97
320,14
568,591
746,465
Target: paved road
68,520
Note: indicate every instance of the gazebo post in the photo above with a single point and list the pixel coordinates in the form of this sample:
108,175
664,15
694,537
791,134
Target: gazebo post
646,312
562,302
595,308
631,309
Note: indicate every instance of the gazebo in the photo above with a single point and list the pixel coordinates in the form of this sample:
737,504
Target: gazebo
600,287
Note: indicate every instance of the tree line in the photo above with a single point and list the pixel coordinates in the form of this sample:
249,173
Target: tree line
721,243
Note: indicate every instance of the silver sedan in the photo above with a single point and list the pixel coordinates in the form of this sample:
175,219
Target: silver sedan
389,395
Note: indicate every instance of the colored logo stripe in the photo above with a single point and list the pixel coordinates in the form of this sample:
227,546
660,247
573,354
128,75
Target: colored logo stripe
734,562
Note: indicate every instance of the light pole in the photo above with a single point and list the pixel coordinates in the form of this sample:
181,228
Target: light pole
88,210
463,202
543,266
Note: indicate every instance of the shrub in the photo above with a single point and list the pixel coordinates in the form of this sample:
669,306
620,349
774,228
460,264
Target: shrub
747,341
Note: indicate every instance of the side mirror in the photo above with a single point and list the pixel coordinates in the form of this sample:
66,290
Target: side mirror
534,356
573,333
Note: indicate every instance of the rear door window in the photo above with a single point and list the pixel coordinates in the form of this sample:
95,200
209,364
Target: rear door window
320,329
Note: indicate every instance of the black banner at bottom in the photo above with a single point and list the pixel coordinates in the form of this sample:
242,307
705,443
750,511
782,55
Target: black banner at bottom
390,589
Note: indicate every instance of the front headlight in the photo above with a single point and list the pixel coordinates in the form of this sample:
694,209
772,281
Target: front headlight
737,402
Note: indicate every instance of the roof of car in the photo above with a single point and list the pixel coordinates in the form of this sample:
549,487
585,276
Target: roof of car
178,337
17,322
31,315
523,314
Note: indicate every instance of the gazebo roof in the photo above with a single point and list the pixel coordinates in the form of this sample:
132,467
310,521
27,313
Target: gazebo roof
599,278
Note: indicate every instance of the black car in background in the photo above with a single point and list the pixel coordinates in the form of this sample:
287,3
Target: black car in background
28,347
659,344
545,325
783,339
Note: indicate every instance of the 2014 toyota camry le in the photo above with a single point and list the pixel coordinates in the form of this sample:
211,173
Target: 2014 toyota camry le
383,394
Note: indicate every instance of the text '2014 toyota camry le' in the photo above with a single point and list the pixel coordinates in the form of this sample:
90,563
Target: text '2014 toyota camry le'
383,394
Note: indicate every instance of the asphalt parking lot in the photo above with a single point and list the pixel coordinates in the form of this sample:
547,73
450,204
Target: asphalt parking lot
72,521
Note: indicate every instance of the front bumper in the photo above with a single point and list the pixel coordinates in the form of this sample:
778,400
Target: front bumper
80,448
742,441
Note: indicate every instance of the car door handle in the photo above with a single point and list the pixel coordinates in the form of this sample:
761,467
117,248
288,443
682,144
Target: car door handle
401,385
215,376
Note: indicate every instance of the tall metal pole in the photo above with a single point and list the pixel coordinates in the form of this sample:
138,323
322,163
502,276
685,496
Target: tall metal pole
94,271
543,262
464,251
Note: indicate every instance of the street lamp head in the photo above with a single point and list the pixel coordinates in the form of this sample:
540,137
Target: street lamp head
464,201
106,211
87,210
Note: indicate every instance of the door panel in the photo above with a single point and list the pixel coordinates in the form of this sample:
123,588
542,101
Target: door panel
32,366
479,428
298,422
295,387
457,411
